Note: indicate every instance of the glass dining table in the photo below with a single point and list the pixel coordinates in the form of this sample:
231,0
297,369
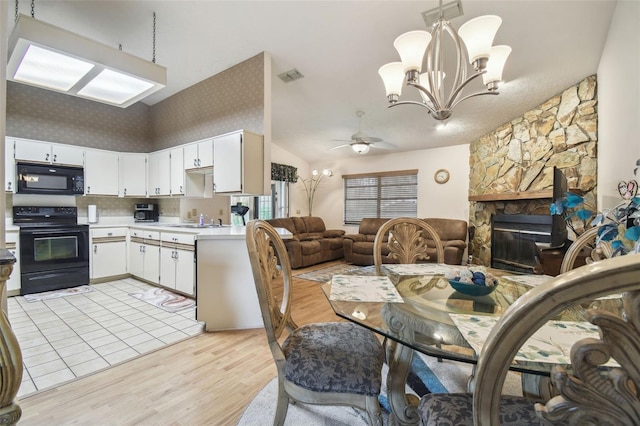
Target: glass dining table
415,309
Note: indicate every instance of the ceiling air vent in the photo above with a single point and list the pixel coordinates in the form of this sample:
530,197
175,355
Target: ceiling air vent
449,11
290,75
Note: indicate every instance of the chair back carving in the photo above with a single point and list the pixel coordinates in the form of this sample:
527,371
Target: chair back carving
591,396
406,241
586,241
273,280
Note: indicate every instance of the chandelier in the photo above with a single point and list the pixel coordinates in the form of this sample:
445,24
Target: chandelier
487,61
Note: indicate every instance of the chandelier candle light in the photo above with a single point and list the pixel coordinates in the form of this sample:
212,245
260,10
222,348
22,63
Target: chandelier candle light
310,185
477,35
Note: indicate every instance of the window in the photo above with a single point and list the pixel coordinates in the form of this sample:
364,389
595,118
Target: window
386,194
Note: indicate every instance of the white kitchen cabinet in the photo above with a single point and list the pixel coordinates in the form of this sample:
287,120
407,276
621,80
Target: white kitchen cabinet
238,163
144,255
12,240
159,173
9,166
177,171
108,252
132,175
47,152
101,172
198,155
177,262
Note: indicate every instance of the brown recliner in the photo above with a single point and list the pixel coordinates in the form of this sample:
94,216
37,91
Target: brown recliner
312,243
358,248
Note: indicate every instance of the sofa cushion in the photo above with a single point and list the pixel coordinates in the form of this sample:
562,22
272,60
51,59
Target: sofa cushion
333,233
449,229
299,226
313,224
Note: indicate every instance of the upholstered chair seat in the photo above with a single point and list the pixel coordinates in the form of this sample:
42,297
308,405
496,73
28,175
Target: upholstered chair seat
334,357
455,409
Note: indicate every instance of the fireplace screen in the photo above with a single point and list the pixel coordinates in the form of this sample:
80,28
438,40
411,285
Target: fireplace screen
517,240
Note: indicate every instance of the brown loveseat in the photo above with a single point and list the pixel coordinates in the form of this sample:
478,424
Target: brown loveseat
312,243
358,248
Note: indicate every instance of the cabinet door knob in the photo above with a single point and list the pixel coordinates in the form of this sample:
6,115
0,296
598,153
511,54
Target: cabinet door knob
55,157
47,157
195,162
109,233
125,191
9,187
95,248
88,189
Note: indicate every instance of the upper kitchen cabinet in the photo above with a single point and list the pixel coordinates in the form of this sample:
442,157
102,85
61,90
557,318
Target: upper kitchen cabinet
133,175
159,173
9,167
177,171
238,163
198,155
101,172
48,153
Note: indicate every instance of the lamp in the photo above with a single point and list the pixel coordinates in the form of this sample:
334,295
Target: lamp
310,185
477,35
360,147
52,58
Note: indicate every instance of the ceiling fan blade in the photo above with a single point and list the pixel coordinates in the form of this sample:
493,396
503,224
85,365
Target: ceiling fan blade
339,146
383,145
371,139
341,140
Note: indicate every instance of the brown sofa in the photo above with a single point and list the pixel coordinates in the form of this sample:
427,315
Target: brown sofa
312,243
358,248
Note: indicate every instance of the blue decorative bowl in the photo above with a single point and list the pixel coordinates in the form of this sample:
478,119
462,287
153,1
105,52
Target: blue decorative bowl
471,289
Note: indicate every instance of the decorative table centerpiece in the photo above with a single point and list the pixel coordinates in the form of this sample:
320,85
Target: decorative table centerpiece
472,282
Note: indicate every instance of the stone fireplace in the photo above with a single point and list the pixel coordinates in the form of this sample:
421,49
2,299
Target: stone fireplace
512,167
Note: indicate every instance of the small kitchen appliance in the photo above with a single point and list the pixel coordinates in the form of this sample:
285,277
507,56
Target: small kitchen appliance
145,212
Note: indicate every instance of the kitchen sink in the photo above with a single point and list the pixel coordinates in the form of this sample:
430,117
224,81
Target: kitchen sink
192,225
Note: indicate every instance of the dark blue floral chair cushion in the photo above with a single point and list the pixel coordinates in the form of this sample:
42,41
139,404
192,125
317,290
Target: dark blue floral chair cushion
334,357
456,409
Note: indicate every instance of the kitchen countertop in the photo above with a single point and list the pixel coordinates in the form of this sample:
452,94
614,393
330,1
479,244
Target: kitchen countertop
224,232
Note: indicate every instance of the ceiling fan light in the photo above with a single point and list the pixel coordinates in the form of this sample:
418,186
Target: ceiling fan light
360,147
478,34
495,65
392,75
411,47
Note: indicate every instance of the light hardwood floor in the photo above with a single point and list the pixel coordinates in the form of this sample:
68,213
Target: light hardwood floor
205,380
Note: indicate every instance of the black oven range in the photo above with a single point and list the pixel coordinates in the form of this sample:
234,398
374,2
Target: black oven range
54,248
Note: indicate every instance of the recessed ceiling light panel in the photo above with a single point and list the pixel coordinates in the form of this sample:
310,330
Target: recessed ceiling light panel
114,87
50,69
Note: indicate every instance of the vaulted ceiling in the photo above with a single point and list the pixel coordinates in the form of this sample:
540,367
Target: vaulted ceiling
338,46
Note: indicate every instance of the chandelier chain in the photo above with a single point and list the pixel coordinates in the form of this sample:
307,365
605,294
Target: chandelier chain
154,38
33,8
16,19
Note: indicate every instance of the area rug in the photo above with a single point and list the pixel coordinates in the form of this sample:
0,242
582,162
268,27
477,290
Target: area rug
164,299
323,275
54,294
428,375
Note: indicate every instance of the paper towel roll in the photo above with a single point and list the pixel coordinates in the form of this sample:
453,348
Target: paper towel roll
92,213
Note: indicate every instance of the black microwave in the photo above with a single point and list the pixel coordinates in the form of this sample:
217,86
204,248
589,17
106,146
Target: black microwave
49,179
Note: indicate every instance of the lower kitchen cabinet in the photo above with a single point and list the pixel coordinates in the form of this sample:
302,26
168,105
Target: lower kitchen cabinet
177,262
108,252
144,255
12,239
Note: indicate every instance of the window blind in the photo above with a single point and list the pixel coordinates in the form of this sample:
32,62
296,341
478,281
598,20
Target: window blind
386,195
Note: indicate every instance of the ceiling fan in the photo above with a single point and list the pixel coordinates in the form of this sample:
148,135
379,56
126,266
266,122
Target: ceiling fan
360,142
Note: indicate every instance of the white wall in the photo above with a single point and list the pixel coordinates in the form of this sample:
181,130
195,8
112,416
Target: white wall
619,103
449,200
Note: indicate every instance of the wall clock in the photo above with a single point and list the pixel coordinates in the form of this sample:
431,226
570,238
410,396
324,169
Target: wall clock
441,176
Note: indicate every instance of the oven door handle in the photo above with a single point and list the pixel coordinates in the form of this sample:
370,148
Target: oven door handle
53,231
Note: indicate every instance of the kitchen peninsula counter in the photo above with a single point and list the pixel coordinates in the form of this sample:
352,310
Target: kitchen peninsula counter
226,297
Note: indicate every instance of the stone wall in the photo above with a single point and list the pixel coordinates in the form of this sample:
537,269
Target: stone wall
520,155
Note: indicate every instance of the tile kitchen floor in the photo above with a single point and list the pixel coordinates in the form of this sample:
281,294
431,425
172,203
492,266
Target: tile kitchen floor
69,337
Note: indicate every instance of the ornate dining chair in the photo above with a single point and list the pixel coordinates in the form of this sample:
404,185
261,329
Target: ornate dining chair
586,242
337,363
408,241
592,395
